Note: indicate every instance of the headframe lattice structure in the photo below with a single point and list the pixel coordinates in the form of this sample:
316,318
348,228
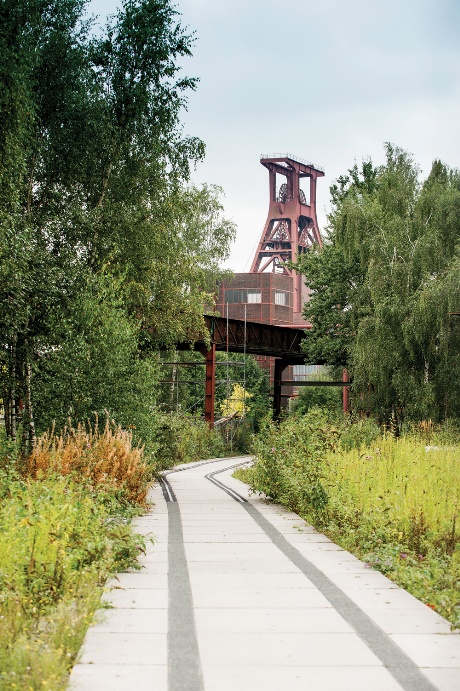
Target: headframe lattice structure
291,226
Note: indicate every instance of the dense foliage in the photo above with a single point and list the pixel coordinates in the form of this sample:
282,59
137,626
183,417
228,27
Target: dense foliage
252,383
183,381
182,438
329,397
384,286
105,253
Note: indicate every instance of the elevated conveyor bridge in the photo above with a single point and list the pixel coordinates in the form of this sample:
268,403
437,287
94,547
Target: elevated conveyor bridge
253,338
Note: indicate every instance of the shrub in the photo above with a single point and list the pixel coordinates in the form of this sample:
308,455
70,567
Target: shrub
290,460
64,528
355,433
180,438
310,396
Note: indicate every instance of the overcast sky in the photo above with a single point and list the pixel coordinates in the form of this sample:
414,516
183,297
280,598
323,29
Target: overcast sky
327,80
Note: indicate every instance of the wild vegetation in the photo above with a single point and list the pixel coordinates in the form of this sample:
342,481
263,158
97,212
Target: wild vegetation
392,501
64,527
107,256
182,438
383,482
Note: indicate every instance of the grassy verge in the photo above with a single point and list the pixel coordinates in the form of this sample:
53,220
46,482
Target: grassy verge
390,502
64,528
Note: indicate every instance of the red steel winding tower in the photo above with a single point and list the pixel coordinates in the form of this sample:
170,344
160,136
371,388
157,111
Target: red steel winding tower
291,225
272,292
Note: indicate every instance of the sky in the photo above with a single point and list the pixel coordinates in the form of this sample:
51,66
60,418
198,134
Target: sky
326,80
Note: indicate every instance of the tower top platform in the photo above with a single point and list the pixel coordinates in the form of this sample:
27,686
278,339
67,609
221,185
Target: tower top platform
283,158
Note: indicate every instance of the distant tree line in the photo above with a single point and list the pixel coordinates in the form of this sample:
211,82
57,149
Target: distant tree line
106,251
384,286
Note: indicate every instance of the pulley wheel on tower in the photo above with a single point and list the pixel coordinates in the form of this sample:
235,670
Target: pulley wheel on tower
283,193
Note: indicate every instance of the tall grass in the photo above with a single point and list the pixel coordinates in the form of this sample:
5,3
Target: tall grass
64,527
403,489
394,502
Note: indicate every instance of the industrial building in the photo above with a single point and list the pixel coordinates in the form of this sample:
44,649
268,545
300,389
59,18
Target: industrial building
273,292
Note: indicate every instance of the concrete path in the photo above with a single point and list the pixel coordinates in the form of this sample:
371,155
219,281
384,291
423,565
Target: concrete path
238,594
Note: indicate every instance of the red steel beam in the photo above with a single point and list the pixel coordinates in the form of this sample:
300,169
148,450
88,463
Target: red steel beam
210,360
281,342
280,366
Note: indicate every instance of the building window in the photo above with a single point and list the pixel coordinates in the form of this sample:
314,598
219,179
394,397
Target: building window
302,372
282,298
234,296
254,296
242,295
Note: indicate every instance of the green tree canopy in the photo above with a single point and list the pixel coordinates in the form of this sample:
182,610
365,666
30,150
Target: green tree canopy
94,168
384,284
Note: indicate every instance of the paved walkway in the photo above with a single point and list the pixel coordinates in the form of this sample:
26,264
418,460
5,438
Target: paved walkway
238,594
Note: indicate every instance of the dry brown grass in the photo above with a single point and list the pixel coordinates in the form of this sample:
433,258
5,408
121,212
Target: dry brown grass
107,459
426,426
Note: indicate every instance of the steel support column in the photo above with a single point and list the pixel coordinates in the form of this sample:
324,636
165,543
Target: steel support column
210,356
280,366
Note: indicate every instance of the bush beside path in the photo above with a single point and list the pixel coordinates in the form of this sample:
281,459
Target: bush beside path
393,502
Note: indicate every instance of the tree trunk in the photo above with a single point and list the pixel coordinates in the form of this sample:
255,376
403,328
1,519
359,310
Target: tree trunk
7,410
29,436
12,390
